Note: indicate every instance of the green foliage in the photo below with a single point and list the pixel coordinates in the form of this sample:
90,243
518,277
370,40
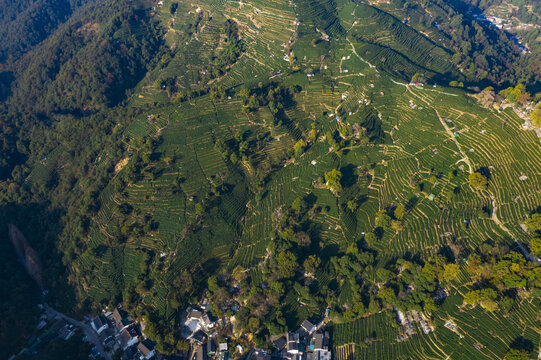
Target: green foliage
534,222
287,264
299,147
332,179
399,212
478,181
535,116
535,246
517,354
516,94
311,264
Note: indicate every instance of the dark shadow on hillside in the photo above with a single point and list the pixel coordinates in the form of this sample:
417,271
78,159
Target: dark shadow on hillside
485,171
348,175
6,78
211,265
522,343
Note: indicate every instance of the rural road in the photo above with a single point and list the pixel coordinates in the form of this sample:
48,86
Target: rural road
87,330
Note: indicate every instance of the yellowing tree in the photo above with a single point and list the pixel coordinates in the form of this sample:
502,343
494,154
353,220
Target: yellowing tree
332,179
299,147
450,272
478,181
536,117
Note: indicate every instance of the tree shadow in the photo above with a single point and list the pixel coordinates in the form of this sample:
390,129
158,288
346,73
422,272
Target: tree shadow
348,175
522,343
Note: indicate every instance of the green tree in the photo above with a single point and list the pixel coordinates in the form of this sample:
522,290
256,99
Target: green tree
311,264
478,181
253,103
199,209
534,222
374,305
299,147
287,264
450,272
370,238
244,93
535,116
400,212
429,305
253,324
535,246
382,219
387,295
516,354
332,179
298,204
239,273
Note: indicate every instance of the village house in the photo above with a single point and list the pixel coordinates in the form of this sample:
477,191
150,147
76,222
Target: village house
211,347
293,344
307,327
99,324
146,349
66,331
128,337
280,343
121,319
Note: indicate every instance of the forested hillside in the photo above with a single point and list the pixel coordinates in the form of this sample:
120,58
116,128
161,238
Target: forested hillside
282,158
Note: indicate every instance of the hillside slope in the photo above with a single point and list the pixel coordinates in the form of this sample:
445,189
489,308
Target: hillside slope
175,146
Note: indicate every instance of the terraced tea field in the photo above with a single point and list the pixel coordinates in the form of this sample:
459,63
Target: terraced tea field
421,145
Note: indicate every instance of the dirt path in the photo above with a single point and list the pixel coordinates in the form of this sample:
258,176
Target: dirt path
447,130
353,47
494,218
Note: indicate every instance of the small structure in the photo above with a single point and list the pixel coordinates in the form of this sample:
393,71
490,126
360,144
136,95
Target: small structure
199,336
121,319
293,344
211,347
146,349
280,343
308,327
66,332
99,323
323,355
222,347
128,337
195,315
320,341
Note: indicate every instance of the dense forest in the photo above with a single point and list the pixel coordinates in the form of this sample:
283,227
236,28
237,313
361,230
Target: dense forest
64,92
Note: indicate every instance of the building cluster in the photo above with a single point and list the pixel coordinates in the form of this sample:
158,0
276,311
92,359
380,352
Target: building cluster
452,326
309,342
117,330
59,329
407,324
200,329
506,25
